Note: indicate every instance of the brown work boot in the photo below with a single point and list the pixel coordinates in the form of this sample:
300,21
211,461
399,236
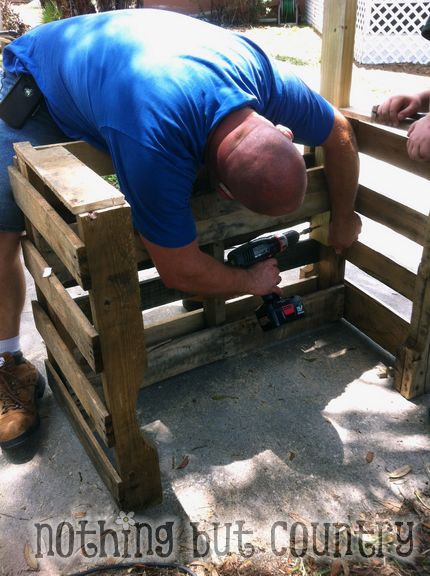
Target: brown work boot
20,386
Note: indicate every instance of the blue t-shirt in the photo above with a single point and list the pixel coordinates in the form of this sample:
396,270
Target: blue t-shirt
149,86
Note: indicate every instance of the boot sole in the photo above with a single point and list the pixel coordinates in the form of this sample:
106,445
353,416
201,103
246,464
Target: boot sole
39,390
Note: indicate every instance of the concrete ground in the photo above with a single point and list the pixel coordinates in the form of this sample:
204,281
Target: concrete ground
302,432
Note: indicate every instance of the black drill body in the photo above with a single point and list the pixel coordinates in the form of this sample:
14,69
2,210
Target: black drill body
275,310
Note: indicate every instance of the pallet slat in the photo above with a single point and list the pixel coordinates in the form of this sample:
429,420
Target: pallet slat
243,335
83,389
389,145
395,215
67,245
377,321
100,460
72,318
383,269
73,182
183,324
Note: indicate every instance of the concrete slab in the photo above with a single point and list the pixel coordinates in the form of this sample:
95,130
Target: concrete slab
303,431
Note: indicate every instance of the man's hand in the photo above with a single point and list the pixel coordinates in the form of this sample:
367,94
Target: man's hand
264,278
397,108
418,144
344,231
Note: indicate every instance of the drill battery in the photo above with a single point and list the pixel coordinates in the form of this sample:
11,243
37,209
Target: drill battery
276,311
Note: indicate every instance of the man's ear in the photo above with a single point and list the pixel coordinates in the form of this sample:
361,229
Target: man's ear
285,131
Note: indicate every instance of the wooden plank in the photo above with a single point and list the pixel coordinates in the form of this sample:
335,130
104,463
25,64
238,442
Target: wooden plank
153,292
353,113
412,370
337,51
94,158
243,335
187,323
77,380
67,245
115,305
99,458
77,186
388,144
383,269
374,319
216,224
395,215
70,315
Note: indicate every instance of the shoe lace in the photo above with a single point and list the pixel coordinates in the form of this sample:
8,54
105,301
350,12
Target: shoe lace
9,395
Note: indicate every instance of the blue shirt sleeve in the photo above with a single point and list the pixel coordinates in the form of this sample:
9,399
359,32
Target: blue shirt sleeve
307,113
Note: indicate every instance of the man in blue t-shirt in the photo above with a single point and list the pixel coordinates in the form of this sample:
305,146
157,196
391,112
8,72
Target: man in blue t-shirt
165,94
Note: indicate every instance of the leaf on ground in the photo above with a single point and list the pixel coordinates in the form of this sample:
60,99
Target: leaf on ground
184,463
30,559
424,500
399,472
370,456
78,515
392,505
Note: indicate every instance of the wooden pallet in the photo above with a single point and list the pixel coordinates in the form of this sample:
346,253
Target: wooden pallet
79,234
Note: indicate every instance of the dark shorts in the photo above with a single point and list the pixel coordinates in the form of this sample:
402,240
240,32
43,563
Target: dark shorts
39,129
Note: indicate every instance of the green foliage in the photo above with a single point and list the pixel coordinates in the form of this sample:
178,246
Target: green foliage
234,12
50,12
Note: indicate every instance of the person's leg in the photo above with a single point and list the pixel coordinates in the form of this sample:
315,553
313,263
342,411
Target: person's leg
20,383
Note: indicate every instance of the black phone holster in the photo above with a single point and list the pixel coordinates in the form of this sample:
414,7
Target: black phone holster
21,101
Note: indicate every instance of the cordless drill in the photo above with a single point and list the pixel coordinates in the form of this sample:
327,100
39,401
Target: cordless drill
275,310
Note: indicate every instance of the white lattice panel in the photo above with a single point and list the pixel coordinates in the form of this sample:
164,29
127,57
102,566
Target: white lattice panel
387,31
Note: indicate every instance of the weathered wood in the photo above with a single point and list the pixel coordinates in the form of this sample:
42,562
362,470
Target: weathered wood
412,370
395,215
75,184
388,144
76,378
337,51
244,335
153,292
99,458
374,319
70,315
115,304
67,245
382,268
183,324
94,158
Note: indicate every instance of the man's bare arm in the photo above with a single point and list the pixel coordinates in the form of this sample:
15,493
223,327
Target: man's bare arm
341,164
192,271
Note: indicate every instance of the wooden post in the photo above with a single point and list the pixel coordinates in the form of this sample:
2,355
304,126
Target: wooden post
337,53
337,56
411,376
115,305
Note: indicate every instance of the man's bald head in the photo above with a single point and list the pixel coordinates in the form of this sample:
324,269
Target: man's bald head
258,164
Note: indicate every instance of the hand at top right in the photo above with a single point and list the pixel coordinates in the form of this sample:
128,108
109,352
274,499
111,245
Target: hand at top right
397,108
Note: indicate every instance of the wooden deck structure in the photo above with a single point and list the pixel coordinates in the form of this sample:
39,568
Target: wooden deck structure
79,233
